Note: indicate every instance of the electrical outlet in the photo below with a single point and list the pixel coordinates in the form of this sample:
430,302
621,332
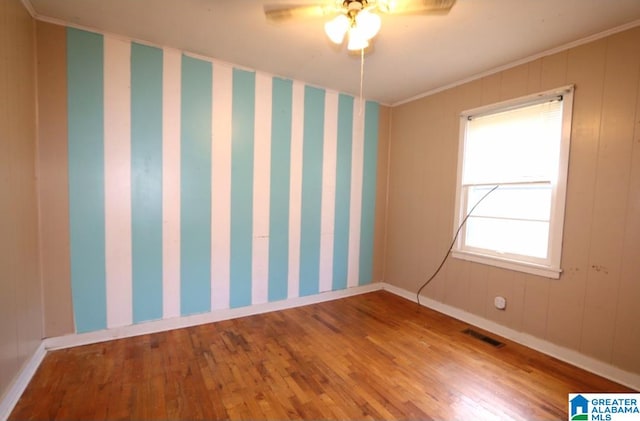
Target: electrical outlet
500,302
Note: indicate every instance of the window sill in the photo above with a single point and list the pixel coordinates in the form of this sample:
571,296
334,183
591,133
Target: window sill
532,268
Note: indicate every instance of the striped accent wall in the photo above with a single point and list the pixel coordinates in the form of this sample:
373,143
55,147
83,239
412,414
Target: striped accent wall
195,186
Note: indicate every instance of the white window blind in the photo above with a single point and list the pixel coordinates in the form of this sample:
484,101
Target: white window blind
518,145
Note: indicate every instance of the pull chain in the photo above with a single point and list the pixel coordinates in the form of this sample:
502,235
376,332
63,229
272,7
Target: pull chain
361,78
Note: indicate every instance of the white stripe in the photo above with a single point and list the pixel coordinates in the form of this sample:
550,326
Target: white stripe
171,74
261,190
328,190
221,186
117,183
295,192
355,211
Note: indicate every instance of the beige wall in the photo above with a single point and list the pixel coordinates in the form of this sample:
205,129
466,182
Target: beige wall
53,185
594,306
20,292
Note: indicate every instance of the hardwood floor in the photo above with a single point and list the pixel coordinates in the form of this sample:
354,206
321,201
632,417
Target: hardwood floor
373,356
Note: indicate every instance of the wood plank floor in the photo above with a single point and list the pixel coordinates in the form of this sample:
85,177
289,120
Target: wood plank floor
373,356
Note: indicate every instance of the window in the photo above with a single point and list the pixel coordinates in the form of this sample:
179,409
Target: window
522,147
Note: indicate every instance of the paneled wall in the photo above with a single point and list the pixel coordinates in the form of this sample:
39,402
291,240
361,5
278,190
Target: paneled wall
20,293
593,307
193,185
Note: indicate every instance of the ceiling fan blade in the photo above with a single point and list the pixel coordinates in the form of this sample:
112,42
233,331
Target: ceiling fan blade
280,13
406,7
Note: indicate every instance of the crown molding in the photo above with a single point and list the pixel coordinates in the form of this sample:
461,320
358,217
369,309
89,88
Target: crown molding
32,11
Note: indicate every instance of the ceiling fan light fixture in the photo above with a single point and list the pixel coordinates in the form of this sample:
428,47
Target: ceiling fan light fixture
336,28
357,40
368,24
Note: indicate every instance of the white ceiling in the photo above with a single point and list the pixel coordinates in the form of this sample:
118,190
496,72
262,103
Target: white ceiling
411,54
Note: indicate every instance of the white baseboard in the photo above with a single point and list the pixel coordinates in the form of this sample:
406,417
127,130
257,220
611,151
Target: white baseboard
570,356
68,341
20,383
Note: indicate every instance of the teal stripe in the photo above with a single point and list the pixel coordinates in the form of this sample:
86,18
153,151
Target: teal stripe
367,222
195,186
343,192
313,134
146,181
242,114
281,107
85,98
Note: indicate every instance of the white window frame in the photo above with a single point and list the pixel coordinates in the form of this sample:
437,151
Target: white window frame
549,267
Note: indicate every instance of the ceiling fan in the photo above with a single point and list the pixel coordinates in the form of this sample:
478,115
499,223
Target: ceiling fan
356,18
